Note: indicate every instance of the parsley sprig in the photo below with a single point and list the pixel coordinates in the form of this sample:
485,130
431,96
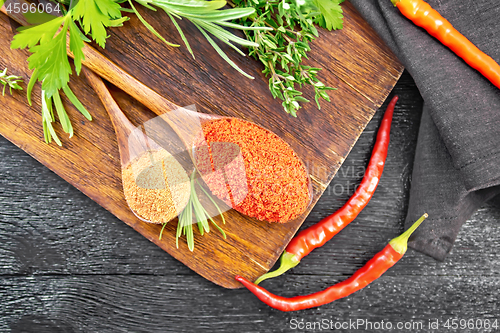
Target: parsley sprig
283,49
49,60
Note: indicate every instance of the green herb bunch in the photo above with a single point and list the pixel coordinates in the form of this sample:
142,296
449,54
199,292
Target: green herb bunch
277,33
283,49
87,20
10,81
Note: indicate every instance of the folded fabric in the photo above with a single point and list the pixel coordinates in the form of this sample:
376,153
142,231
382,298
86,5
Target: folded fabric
457,162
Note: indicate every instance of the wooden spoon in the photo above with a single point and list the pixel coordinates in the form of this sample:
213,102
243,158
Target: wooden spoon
148,178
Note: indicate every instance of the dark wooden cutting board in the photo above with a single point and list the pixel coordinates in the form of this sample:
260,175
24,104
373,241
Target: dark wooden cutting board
354,60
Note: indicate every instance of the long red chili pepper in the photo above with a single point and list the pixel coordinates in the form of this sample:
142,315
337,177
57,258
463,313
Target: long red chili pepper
423,15
320,233
371,271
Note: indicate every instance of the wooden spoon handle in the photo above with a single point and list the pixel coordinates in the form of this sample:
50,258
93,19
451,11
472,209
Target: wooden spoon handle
123,127
120,121
108,70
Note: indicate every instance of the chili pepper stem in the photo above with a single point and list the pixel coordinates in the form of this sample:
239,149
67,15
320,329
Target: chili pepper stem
287,261
400,243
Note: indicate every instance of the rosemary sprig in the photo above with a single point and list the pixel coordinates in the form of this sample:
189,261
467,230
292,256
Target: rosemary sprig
10,81
283,49
210,19
201,216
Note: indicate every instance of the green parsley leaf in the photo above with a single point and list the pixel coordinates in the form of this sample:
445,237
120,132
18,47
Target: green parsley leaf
31,36
96,15
52,62
331,14
76,45
49,56
49,59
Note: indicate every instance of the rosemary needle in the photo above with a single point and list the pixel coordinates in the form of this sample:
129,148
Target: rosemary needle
194,206
10,81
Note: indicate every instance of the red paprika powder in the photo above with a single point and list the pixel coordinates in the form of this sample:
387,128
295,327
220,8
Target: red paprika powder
252,170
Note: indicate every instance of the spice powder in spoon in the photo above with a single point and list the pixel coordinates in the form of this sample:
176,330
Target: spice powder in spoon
252,170
156,186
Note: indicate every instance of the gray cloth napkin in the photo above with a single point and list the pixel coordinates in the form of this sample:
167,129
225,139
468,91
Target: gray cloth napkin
457,162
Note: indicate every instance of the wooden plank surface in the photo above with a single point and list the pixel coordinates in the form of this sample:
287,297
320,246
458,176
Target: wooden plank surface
68,265
354,60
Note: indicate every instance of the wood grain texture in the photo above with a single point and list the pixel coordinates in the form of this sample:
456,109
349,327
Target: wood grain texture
68,265
354,60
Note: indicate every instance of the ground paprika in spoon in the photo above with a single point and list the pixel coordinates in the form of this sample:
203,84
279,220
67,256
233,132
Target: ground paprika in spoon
253,170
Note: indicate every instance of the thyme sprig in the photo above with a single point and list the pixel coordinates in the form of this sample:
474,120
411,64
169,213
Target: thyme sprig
283,49
10,81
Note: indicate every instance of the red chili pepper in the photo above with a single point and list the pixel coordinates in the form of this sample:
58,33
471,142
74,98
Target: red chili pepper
371,271
423,15
320,233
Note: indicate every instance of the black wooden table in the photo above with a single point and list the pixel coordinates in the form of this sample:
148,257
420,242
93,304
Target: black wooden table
67,265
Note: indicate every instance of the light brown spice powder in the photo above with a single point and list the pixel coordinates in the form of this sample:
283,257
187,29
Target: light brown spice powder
156,186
